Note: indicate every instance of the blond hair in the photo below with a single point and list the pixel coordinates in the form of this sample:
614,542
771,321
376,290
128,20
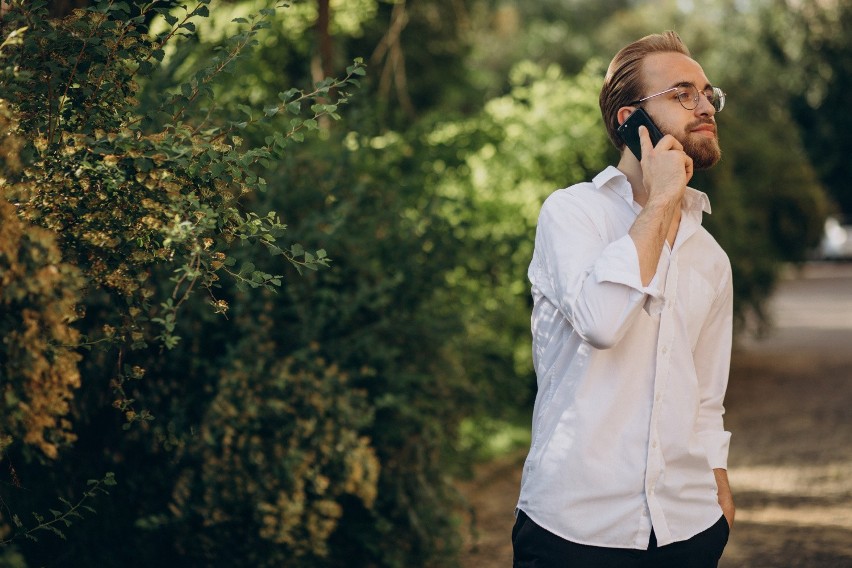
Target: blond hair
623,82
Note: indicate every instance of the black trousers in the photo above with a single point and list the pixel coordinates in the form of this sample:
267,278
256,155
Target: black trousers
535,547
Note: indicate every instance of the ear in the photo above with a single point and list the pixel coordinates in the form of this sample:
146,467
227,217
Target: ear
623,113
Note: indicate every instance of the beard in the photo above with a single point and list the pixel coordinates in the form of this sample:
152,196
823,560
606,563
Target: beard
705,152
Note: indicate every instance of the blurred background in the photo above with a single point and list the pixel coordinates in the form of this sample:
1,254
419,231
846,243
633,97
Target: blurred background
249,321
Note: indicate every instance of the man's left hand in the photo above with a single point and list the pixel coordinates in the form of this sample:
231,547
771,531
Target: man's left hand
726,498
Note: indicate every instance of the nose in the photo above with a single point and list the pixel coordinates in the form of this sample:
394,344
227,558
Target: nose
705,106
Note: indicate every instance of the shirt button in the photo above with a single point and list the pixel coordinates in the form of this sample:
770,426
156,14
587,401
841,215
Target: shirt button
665,349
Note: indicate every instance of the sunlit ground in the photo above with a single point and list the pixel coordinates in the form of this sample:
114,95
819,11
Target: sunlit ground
829,481
789,411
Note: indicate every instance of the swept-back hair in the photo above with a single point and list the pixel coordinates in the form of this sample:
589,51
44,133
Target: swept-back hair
623,82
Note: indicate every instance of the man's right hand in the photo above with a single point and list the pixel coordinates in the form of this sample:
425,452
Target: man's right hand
666,169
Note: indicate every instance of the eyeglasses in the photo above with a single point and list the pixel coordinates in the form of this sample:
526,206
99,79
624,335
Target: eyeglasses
688,96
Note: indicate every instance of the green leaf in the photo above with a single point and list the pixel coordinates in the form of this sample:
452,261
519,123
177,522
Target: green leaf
145,68
357,68
287,95
55,531
143,164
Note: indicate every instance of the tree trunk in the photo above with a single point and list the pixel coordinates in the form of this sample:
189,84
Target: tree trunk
322,64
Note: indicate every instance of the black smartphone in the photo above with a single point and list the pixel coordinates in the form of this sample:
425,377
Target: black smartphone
629,131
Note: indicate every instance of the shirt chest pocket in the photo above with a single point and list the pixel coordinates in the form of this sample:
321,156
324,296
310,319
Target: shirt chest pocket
699,298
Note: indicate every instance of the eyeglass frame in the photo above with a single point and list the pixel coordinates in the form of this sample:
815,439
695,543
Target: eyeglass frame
718,94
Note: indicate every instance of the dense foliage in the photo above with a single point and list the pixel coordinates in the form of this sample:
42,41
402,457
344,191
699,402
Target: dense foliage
277,335
115,218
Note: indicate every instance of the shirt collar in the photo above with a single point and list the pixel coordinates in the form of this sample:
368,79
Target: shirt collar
693,201
605,179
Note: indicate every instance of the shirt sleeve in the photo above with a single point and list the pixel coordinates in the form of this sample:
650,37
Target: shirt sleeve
712,358
592,277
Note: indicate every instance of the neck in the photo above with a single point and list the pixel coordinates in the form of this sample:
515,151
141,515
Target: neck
631,168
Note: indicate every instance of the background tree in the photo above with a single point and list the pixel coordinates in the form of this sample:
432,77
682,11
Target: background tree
816,55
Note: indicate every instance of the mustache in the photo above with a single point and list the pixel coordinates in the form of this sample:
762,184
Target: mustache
701,122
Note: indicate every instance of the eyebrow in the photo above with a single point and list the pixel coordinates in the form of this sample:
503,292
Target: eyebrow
689,84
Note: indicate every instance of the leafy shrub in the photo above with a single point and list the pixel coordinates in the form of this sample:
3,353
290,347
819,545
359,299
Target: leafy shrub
38,298
279,447
114,217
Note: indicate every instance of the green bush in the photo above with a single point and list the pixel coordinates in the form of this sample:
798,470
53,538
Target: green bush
115,217
278,450
38,298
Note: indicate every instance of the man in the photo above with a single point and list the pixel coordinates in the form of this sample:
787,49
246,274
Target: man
632,325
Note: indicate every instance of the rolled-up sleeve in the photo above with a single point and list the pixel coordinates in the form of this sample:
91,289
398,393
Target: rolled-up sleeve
588,270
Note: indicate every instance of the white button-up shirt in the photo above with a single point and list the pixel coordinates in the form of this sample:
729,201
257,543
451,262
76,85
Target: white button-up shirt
627,423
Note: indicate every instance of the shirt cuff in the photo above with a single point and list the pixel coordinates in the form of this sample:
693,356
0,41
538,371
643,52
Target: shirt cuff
619,264
716,446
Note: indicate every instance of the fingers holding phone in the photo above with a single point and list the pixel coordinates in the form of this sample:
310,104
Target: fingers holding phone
666,168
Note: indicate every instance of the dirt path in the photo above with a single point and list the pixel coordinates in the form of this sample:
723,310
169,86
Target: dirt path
789,406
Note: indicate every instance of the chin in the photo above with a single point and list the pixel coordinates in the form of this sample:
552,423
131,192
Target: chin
706,162
705,154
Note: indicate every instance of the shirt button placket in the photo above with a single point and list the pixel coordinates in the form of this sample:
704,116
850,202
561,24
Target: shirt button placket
655,458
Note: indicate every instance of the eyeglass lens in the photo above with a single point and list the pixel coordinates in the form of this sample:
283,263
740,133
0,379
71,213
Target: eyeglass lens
688,97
